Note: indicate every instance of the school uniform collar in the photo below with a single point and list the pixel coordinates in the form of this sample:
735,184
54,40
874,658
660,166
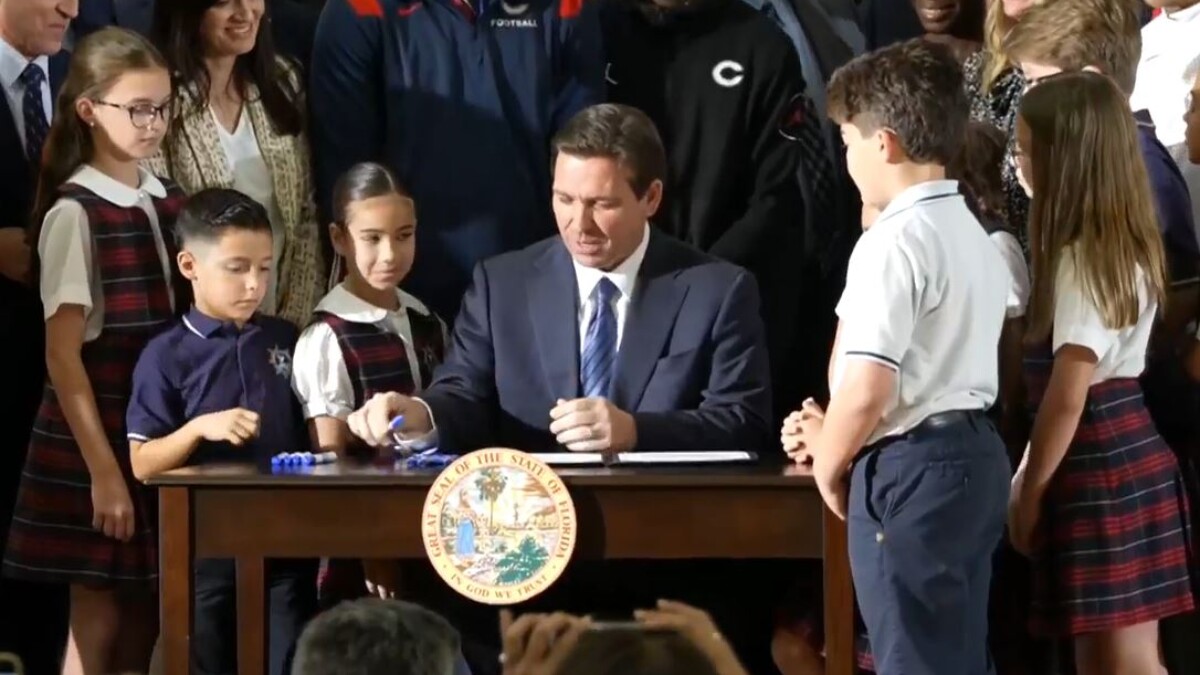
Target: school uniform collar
116,192
1182,15
348,306
921,192
206,326
623,276
13,64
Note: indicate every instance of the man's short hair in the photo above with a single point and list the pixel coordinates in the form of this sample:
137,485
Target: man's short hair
1075,34
211,212
377,637
913,89
619,132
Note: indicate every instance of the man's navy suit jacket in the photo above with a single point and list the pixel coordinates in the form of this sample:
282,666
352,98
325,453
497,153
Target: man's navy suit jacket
691,368
22,330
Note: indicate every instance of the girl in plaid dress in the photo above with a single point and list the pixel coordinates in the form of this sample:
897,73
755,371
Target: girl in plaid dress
1098,502
105,253
367,335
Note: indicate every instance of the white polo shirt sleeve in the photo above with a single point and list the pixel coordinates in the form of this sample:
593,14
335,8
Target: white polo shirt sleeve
319,375
878,308
1018,272
1077,320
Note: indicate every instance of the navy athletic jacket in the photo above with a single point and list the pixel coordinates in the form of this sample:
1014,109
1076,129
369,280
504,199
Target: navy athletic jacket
461,99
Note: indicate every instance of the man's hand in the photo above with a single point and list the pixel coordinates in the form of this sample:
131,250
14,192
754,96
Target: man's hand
593,425
15,255
235,426
372,422
537,644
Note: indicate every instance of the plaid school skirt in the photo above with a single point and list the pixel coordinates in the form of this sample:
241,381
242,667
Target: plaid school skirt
52,538
1117,543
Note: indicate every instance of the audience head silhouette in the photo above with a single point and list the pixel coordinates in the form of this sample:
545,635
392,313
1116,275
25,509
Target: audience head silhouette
635,652
609,165
377,637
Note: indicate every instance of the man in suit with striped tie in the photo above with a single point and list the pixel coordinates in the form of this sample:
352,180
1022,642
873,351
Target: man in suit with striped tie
610,337
33,65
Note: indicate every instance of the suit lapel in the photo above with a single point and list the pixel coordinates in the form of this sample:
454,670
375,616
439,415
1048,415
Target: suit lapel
648,323
553,312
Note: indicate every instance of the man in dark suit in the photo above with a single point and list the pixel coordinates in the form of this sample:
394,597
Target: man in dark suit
612,337
32,67
136,15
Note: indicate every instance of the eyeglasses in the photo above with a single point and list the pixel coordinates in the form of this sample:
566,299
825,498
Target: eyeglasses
142,115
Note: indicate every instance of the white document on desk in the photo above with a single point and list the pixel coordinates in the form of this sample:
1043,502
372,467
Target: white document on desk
668,457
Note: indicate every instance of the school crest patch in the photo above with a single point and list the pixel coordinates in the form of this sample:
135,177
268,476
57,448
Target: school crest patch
281,360
499,526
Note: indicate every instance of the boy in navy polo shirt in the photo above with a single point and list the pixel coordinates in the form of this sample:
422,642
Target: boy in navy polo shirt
215,387
906,452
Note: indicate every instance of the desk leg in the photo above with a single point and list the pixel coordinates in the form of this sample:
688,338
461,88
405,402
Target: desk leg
251,616
175,535
839,600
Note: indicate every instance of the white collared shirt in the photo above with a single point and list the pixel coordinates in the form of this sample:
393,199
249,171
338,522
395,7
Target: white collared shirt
12,65
623,276
69,275
319,375
925,295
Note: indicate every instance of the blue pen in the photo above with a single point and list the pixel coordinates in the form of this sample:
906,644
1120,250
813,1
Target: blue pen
323,457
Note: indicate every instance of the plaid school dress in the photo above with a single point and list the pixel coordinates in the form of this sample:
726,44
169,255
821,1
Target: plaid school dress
375,357
376,362
1117,545
52,538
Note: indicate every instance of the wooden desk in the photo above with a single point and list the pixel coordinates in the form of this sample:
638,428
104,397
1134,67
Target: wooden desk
248,514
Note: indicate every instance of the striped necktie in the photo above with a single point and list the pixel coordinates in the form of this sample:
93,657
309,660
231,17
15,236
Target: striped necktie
36,126
600,343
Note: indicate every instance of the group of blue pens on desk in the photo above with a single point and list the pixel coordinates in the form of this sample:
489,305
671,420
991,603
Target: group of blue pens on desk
428,458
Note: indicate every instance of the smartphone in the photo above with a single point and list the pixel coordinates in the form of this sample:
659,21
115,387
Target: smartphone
624,626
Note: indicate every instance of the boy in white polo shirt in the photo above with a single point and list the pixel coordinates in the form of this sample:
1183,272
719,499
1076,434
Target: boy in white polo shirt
914,369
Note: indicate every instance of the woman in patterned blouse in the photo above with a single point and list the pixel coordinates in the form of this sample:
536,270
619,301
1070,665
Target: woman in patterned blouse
240,123
995,85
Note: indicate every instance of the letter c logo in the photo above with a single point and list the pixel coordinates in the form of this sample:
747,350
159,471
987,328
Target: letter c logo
728,73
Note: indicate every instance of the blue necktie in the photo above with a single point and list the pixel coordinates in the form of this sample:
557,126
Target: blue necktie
36,126
600,343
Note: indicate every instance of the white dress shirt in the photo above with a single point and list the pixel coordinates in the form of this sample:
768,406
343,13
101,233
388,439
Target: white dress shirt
69,273
12,65
319,375
623,276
